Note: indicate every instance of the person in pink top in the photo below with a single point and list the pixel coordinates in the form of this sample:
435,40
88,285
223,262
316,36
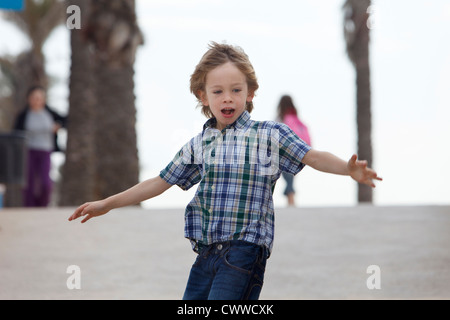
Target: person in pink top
287,114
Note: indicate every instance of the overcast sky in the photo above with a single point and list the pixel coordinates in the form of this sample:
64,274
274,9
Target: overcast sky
297,48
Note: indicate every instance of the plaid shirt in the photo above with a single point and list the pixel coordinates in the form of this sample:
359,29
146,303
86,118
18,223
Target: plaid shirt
237,169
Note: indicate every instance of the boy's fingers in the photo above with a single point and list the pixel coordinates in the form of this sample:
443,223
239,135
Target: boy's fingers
86,218
78,212
374,175
74,215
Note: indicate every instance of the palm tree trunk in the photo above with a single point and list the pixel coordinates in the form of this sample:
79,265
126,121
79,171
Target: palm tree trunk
364,122
78,174
115,135
357,39
113,30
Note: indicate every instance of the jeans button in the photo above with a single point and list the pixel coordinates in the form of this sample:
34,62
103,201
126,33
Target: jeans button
219,247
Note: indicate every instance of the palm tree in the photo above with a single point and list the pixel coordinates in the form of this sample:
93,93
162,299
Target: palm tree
113,31
356,32
77,183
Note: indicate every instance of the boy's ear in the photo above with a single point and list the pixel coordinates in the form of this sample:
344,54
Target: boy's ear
250,96
203,97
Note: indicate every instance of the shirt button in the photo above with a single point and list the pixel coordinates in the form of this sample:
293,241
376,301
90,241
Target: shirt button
219,247
210,210
212,187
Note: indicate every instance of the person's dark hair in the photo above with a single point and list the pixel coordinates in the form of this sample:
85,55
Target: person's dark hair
285,106
34,88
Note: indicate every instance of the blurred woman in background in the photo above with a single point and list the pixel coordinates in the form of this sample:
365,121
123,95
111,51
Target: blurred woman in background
41,125
287,114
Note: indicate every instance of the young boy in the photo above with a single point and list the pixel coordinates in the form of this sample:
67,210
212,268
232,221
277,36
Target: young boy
236,161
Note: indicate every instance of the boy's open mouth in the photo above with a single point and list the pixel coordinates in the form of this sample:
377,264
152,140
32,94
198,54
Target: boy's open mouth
227,111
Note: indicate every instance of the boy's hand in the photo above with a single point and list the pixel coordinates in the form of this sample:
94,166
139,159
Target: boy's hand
90,210
360,172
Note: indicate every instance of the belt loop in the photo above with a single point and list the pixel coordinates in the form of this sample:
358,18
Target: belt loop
205,250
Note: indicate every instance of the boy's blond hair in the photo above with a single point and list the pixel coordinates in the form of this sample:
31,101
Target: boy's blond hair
217,55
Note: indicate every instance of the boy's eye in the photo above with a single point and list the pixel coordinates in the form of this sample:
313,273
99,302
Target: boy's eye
221,91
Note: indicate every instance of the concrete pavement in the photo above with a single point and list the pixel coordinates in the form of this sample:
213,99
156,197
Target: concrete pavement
319,253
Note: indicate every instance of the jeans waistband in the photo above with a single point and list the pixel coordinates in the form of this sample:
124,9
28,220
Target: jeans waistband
225,245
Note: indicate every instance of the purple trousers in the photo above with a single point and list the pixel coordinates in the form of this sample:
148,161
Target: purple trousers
39,185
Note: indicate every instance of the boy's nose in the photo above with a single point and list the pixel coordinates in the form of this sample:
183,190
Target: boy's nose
227,98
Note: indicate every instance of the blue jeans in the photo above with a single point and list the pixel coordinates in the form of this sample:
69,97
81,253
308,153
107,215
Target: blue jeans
289,183
231,270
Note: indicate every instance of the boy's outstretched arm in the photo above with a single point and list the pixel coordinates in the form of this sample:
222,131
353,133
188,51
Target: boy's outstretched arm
142,191
327,162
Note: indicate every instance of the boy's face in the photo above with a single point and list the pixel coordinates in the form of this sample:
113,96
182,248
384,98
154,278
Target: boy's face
226,94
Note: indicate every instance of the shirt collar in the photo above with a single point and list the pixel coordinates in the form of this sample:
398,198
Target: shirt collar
240,122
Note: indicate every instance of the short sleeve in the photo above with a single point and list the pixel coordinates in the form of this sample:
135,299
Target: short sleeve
185,170
292,149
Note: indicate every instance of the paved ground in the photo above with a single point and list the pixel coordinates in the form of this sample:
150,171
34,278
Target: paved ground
319,253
